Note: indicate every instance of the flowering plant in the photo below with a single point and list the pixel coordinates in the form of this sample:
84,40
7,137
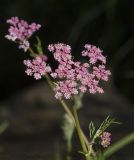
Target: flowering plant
70,80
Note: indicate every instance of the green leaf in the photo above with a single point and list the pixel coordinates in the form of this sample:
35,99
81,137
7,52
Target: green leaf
105,124
39,46
91,129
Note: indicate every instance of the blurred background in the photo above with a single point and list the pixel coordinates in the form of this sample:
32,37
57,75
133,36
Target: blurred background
30,117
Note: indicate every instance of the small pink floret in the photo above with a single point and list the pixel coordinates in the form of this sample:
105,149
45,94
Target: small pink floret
37,67
20,31
105,139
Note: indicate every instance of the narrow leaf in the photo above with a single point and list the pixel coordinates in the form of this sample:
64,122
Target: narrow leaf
91,129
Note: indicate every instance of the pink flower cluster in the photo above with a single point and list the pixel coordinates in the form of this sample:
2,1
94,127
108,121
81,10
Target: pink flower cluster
105,139
20,31
94,54
74,76
37,67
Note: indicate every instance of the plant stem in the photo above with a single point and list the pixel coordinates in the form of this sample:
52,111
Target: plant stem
118,145
83,140
61,100
32,53
79,131
67,110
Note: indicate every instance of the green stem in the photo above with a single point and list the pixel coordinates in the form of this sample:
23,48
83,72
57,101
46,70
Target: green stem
118,145
83,140
79,131
32,53
61,100
51,84
67,110
91,151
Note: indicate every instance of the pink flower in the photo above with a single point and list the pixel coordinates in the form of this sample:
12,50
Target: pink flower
83,89
24,45
73,76
66,88
105,139
94,54
20,31
61,51
101,73
37,67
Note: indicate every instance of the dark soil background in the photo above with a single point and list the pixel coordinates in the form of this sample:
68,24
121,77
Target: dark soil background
28,108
